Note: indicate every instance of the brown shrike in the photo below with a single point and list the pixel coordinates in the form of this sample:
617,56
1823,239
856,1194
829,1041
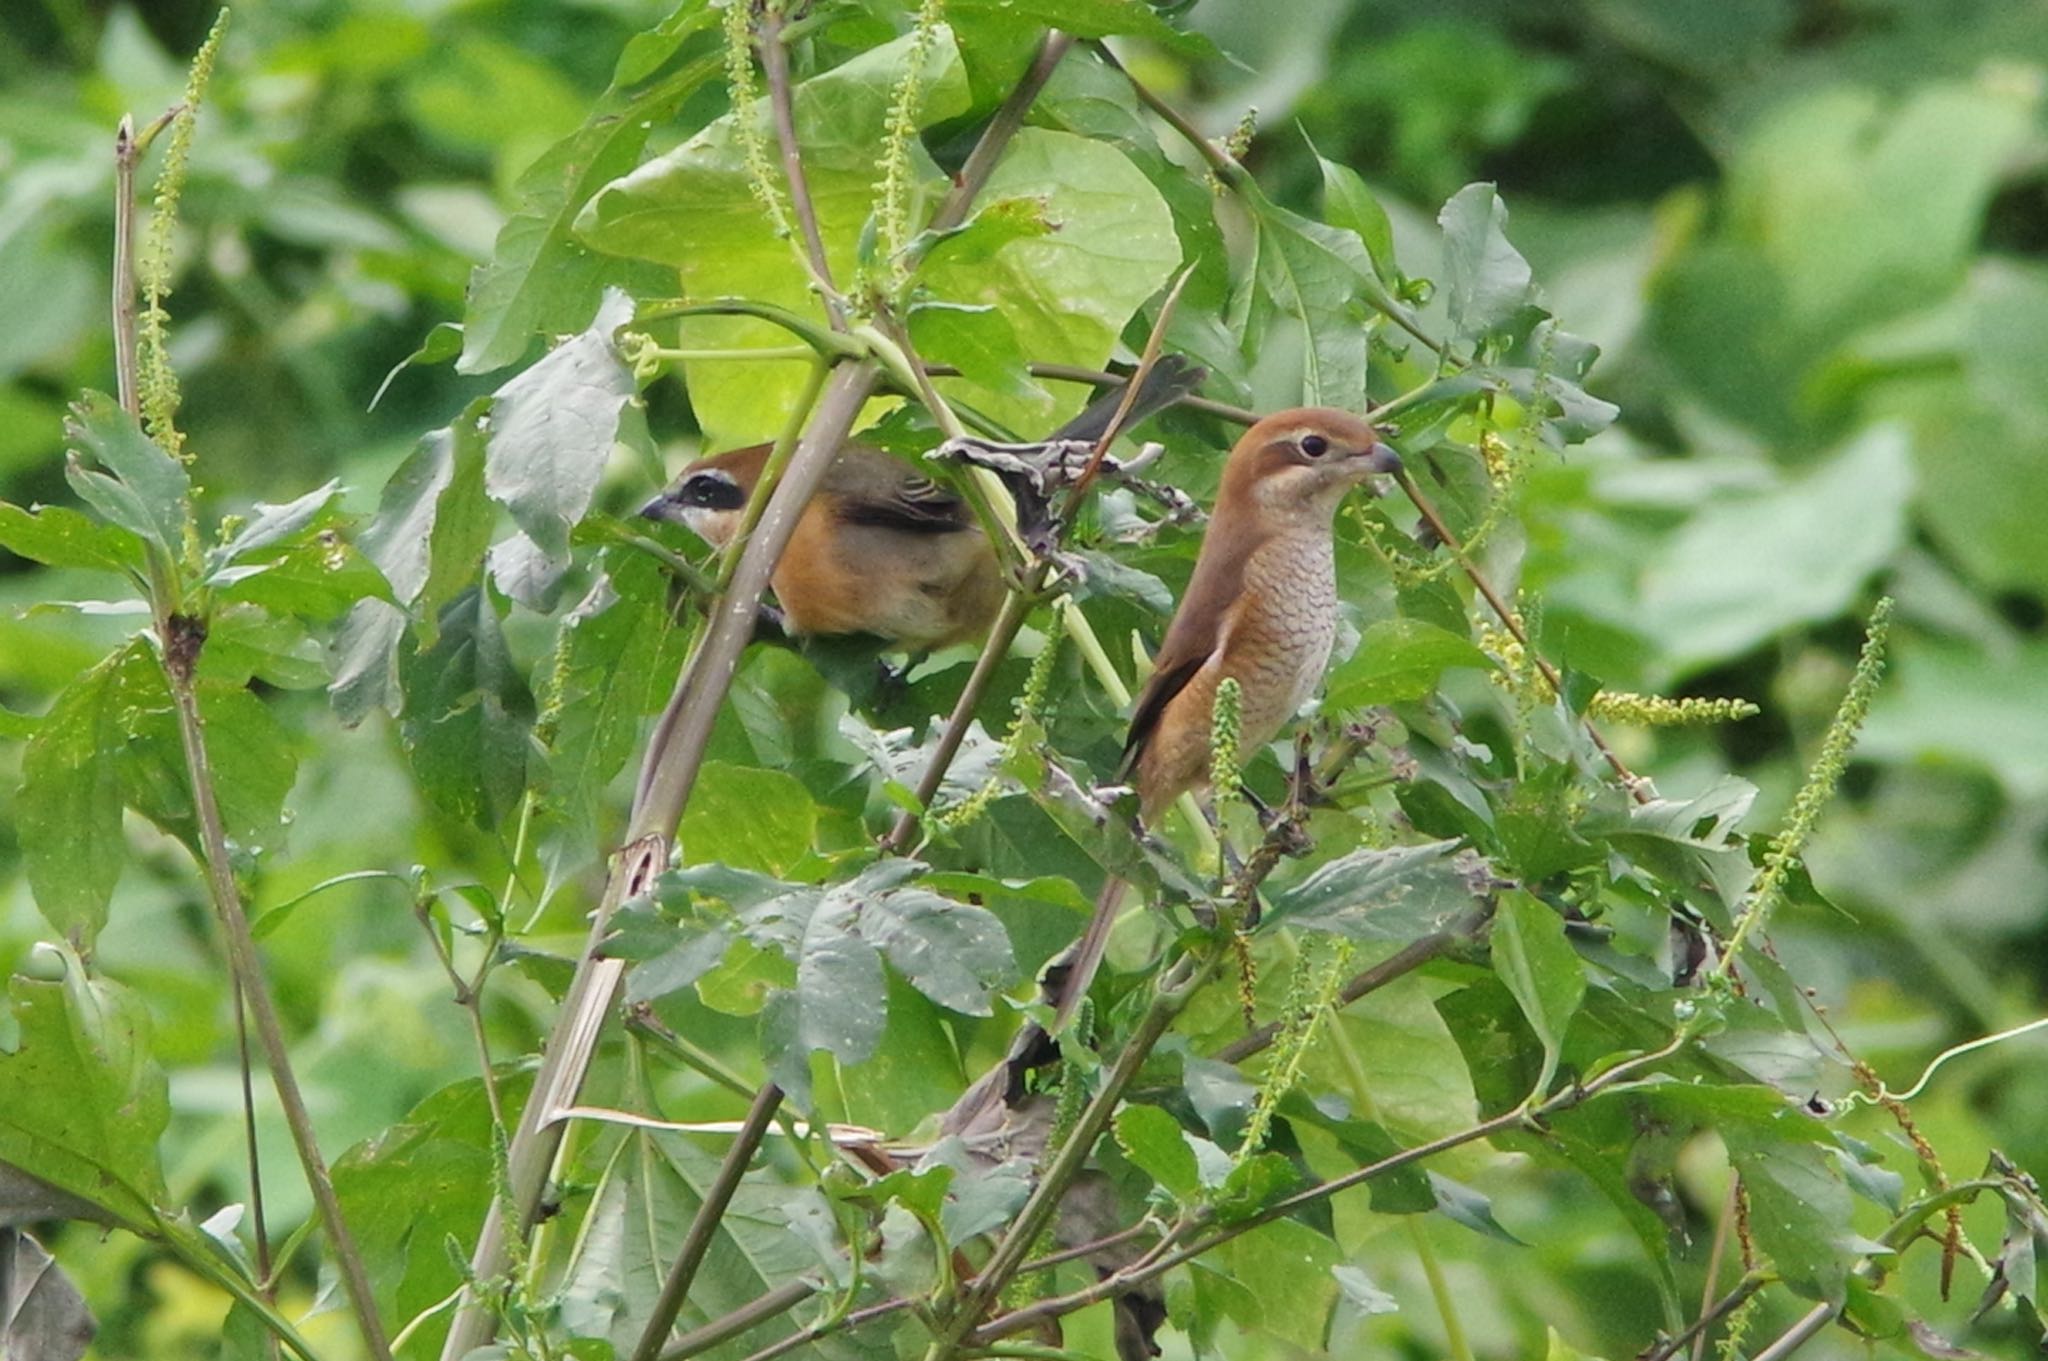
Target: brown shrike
882,549
1261,609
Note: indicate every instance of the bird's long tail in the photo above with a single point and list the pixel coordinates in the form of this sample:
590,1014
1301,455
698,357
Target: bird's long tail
1171,379
1086,956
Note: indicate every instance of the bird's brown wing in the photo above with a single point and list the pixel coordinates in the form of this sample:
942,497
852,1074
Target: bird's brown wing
1193,636
871,488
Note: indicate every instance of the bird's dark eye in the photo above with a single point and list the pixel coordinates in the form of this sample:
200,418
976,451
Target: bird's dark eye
1315,446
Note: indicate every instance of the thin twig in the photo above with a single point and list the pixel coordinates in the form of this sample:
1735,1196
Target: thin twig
468,996
704,1225
1402,962
248,970
1709,1316
774,1304
676,750
1120,1282
775,61
1513,624
1800,1333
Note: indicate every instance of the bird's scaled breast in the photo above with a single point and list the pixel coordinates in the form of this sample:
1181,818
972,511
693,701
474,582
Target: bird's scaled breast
1283,630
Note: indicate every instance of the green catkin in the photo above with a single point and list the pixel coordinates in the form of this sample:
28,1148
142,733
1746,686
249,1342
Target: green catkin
1318,974
1610,706
1029,712
743,94
1819,788
1226,771
157,384
893,190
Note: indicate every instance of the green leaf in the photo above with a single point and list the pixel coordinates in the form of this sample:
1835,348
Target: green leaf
1155,1143
748,819
409,1191
693,209
1538,965
1399,660
621,652
468,716
1485,278
551,432
539,280
1463,1205
1307,305
1400,894
837,1004
1745,568
1253,1184
59,537
273,524
70,806
1959,703
979,341
148,493
954,953
87,1101
1800,1208
1347,203
1286,1267
1067,293
432,525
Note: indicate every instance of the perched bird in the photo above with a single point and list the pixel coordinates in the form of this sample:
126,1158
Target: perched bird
1261,608
882,549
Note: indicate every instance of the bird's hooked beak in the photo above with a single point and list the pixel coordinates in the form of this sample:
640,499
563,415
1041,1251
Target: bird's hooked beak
1380,458
664,506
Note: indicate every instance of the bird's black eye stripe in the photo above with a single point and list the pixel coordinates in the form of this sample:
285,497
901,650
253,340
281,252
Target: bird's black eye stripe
1315,446
713,492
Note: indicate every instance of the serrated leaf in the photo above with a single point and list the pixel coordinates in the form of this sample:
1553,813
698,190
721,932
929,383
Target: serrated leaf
1800,1208
148,492
954,953
1538,965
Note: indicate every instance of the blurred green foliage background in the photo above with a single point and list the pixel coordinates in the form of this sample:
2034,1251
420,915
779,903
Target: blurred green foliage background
1809,238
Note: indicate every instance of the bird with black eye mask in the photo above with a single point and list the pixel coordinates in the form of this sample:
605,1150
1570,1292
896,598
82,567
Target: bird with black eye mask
882,549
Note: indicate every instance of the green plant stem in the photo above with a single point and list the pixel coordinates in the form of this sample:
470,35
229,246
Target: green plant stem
203,1260
247,970
704,1224
774,1304
1710,1316
1174,991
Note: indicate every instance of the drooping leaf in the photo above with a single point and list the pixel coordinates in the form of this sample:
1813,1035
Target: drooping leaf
1538,965
468,715
60,537
551,431
87,1101
143,490
1154,1141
